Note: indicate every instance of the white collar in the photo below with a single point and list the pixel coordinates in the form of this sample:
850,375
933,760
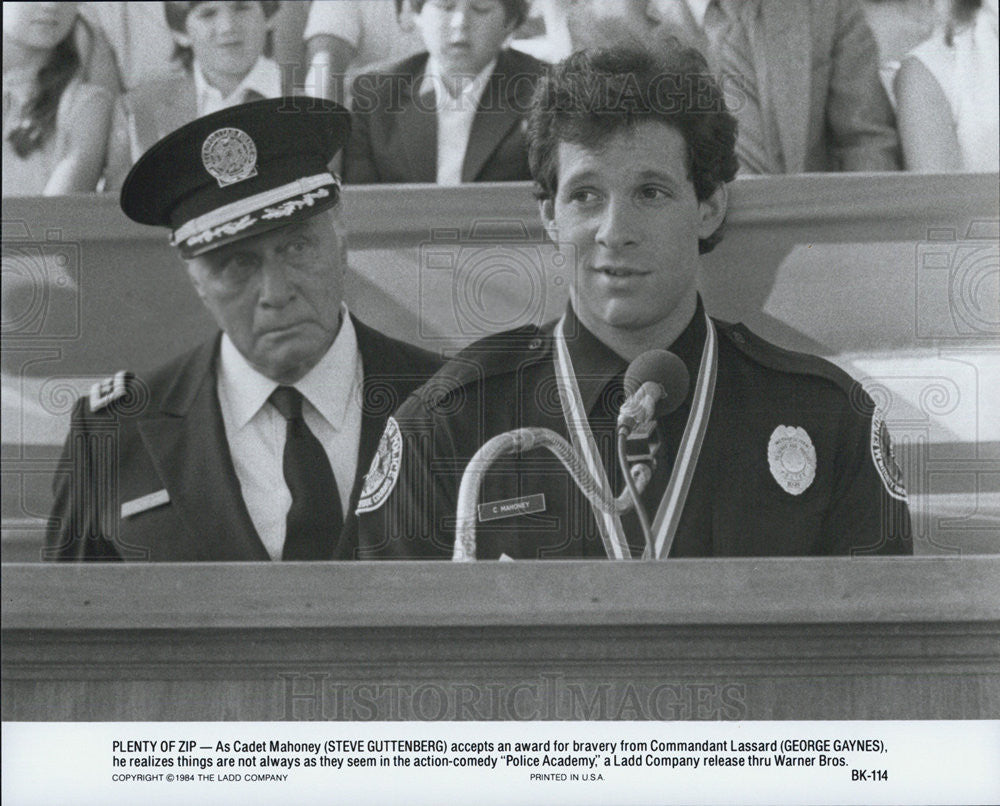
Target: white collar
264,77
328,386
471,90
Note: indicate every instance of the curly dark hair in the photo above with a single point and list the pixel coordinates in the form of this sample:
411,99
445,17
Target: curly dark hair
594,94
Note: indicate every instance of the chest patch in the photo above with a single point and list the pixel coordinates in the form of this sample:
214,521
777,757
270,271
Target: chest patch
792,458
381,478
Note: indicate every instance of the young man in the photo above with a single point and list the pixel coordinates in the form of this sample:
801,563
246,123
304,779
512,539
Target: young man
454,113
248,447
221,48
767,453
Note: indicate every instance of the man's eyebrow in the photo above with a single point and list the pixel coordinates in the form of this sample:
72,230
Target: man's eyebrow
660,176
586,175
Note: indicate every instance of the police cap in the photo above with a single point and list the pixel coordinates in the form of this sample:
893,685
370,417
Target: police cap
239,172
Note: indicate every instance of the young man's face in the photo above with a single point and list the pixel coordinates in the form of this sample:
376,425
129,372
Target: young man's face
628,211
277,294
463,35
226,38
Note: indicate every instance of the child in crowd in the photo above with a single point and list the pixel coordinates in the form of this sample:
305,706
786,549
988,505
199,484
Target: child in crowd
453,114
947,94
55,123
222,51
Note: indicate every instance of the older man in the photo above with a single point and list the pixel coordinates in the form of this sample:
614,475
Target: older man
248,447
762,452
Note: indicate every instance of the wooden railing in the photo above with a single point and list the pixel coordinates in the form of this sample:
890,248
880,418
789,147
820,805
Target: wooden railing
691,639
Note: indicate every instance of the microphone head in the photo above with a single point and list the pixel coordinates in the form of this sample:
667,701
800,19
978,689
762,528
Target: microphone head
664,368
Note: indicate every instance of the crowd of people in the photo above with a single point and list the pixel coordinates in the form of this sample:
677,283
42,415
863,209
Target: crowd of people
439,89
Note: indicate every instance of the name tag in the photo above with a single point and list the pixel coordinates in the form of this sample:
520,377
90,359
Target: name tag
525,505
137,505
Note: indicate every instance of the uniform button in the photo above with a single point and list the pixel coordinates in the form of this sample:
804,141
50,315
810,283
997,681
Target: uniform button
535,344
739,338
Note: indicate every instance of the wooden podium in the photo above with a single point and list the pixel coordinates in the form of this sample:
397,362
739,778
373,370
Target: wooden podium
893,638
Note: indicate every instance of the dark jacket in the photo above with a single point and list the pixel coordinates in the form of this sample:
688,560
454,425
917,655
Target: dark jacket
166,433
736,505
394,131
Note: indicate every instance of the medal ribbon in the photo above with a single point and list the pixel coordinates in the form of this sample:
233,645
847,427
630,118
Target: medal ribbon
609,523
672,504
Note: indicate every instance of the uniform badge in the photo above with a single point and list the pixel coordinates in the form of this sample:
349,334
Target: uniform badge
229,155
109,390
381,478
792,458
885,463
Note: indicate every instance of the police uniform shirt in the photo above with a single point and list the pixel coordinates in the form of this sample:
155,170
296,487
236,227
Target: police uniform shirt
600,375
795,460
255,430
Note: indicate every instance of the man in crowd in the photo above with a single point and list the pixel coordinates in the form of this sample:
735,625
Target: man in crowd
768,452
249,446
801,77
452,114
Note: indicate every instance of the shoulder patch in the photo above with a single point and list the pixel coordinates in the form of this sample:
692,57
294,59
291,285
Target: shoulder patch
381,478
109,390
885,463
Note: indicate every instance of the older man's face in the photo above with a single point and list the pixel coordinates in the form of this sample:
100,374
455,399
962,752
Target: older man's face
277,294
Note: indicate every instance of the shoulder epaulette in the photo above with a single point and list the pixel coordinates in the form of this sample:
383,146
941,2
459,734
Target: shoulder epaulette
782,360
109,390
494,355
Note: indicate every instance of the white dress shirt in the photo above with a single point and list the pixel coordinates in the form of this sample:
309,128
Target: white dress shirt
255,430
264,78
455,115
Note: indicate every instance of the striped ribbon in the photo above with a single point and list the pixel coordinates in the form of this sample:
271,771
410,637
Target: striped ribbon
672,504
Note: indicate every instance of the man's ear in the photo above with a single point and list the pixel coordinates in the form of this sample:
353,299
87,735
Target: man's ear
547,212
712,211
195,277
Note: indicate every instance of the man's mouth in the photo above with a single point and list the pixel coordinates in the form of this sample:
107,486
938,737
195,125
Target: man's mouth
620,271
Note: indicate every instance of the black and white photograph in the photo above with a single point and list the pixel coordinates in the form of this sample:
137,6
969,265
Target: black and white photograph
506,401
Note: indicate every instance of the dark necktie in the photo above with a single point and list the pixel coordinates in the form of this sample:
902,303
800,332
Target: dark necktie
315,517
251,95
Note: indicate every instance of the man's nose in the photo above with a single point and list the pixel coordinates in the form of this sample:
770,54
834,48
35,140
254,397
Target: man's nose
276,288
458,22
616,227
226,19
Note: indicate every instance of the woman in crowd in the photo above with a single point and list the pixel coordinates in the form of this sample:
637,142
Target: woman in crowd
947,94
55,123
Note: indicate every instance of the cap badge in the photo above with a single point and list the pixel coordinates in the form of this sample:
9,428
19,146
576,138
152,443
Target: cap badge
384,471
229,155
888,469
792,458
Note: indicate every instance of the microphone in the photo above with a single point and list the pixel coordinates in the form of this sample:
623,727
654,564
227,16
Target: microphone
656,383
